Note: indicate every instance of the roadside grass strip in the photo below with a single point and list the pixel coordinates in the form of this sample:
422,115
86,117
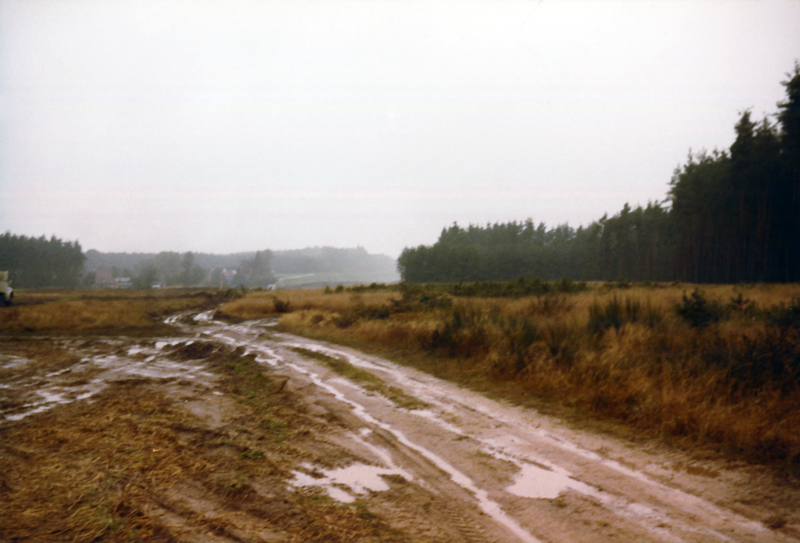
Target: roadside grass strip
369,381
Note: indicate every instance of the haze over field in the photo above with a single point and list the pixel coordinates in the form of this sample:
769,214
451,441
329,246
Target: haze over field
226,127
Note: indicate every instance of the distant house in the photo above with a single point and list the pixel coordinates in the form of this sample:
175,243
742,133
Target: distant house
103,278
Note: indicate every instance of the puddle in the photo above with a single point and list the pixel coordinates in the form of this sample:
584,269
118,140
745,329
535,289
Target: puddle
207,316
12,361
359,478
539,483
54,396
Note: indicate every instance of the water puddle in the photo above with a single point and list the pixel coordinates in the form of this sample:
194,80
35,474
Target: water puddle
206,316
13,361
536,482
359,478
54,396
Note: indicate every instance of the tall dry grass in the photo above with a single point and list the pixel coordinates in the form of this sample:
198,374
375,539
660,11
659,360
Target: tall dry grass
718,366
82,310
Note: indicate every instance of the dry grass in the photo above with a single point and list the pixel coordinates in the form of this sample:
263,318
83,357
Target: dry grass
82,311
262,303
626,355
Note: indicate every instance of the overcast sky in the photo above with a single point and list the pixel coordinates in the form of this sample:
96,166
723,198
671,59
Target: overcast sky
226,126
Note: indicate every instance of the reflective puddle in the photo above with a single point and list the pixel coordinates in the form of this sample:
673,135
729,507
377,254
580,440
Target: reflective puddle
541,483
359,479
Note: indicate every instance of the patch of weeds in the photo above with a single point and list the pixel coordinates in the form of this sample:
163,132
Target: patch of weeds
550,305
252,455
615,313
321,498
363,513
345,320
278,429
401,399
231,484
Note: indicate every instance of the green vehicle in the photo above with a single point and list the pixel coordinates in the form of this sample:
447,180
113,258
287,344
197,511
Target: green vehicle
6,292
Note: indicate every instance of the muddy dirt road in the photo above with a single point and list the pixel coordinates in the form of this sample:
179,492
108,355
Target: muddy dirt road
428,460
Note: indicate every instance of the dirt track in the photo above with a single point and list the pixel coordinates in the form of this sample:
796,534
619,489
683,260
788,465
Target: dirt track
457,467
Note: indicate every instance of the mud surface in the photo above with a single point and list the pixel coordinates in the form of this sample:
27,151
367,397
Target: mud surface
170,441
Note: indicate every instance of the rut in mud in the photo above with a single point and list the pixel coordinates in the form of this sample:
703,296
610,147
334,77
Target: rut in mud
233,432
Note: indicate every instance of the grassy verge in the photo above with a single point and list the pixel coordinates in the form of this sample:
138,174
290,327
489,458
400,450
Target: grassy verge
369,381
716,367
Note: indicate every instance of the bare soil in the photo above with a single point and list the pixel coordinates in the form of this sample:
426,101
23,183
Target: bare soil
230,433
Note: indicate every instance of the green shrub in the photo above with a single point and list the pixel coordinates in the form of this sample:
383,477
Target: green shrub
697,311
785,316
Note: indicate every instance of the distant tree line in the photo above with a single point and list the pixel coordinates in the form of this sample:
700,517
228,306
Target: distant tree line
246,269
730,216
41,262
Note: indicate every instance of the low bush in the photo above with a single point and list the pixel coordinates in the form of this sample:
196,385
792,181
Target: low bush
698,311
281,306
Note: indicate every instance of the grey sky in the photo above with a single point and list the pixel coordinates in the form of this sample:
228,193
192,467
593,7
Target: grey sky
224,126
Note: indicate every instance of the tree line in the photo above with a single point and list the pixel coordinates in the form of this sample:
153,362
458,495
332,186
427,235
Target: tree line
246,269
41,262
729,216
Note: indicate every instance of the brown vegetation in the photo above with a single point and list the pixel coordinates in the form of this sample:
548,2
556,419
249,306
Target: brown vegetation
109,310
717,367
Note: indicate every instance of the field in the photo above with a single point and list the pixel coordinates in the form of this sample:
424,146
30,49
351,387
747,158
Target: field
136,416
709,367
96,311
101,440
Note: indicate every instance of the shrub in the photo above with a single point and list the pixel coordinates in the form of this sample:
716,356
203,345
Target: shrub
784,316
281,306
697,311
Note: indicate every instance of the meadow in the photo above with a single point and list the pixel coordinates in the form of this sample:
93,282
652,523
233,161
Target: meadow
714,368
112,311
